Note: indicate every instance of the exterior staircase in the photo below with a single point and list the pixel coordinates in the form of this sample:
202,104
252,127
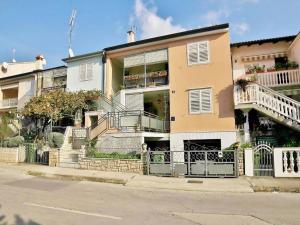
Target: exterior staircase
273,104
68,157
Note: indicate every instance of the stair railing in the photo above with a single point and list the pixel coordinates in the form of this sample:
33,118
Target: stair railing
268,99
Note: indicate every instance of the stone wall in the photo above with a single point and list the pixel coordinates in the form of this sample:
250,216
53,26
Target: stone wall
241,169
12,155
112,165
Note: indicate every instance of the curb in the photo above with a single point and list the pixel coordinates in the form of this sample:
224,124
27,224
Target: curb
77,178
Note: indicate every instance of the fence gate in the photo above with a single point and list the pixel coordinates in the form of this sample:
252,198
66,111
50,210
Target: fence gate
34,154
193,163
263,160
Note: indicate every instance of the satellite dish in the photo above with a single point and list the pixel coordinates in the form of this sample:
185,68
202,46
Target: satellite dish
5,65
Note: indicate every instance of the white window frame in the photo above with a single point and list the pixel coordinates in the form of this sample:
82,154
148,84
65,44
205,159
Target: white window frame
211,101
86,77
198,61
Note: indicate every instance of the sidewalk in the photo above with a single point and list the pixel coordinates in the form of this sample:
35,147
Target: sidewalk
233,185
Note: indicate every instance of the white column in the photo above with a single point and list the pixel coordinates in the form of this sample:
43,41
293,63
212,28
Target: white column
246,128
248,162
277,155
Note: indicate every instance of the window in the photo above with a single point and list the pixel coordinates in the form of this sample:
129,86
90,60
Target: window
200,101
86,72
198,53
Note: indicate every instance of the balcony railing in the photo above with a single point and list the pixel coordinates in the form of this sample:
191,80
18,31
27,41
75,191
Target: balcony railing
151,79
54,88
278,78
9,102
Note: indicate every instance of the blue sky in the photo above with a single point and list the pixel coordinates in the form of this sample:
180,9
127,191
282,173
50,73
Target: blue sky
41,27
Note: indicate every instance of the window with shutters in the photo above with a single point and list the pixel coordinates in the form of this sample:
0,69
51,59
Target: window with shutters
198,53
86,72
200,101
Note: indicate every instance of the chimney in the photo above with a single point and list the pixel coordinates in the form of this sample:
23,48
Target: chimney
40,62
131,35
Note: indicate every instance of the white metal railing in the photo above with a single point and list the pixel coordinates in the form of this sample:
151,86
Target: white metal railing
287,162
278,78
268,99
9,102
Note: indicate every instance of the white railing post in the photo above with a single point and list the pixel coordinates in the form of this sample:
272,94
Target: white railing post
278,160
248,152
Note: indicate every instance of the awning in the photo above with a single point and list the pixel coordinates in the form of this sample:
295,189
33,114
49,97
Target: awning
263,56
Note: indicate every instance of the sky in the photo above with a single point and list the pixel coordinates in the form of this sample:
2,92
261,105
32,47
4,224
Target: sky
34,27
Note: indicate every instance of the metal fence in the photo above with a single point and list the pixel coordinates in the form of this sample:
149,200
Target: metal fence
197,163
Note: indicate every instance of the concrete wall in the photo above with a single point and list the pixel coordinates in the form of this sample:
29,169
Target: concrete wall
21,67
26,91
254,50
73,80
295,50
12,155
112,165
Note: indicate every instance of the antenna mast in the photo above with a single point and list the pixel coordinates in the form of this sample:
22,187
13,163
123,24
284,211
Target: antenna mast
71,26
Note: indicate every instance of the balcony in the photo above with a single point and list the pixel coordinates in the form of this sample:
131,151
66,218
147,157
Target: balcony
9,103
151,79
276,78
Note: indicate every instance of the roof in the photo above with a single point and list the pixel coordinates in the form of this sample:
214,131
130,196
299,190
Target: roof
263,41
28,74
169,36
77,57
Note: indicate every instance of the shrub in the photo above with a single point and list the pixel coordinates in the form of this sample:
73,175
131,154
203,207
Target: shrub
55,139
15,141
93,153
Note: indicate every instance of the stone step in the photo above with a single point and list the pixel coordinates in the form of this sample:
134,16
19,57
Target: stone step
68,160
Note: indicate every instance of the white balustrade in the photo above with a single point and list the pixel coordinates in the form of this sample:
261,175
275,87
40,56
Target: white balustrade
268,99
276,78
279,78
287,162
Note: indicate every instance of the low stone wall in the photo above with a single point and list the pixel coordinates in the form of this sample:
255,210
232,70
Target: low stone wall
12,155
241,169
112,165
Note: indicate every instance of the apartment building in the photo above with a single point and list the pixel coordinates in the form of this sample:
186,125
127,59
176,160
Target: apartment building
17,83
272,96
164,91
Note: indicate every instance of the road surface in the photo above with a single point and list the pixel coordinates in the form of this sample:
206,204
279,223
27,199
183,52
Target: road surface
27,200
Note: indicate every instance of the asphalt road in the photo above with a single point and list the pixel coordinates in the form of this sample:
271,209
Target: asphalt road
27,200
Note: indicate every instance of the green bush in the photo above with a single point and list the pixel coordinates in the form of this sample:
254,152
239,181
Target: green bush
15,141
93,153
55,139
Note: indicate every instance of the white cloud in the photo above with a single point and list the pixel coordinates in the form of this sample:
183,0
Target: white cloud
214,17
151,24
241,28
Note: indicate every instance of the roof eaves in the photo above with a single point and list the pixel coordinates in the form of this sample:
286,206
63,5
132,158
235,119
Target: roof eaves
82,56
169,36
263,41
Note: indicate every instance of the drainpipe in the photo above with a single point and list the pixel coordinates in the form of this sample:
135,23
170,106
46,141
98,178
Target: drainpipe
103,71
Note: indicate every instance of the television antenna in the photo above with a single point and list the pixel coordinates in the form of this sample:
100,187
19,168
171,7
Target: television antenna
71,27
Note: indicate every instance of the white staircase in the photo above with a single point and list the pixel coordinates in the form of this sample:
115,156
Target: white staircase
68,157
277,106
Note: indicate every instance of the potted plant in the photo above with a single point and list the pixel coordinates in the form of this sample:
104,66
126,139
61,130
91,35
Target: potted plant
271,69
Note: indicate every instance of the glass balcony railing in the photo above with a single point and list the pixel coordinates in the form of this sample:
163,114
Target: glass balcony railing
151,79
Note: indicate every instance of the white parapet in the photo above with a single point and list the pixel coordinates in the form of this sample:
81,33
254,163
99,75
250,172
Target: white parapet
287,162
248,162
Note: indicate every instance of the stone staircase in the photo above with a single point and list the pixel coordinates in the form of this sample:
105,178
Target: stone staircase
68,157
273,104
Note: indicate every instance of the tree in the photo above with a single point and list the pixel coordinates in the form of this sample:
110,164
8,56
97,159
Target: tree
54,105
5,130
